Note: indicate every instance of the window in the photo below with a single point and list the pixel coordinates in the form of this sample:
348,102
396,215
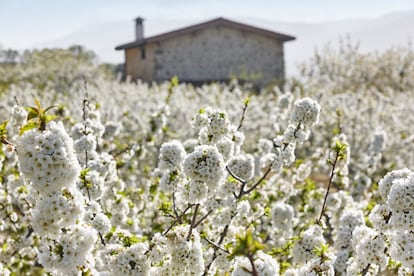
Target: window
143,54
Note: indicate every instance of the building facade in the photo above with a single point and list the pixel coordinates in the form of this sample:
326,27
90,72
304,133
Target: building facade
215,50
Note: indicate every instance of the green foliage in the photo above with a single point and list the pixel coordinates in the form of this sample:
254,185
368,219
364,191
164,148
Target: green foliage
174,82
246,245
3,132
246,101
37,118
4,247
82,177
285,250
340,149
321,252
165,206
111,232
127,241
284,253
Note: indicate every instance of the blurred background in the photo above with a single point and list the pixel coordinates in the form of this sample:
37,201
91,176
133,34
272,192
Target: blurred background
100,25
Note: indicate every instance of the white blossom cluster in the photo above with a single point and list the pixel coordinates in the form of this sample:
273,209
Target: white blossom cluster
394,218
283,216
70,250
176,254
206,164
304,249
212,124
350,219
242,166
369,247
131,261
47,159
305,111
304,115
170,163
265,265
171,156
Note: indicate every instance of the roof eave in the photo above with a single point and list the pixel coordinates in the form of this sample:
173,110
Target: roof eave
287,38
129,45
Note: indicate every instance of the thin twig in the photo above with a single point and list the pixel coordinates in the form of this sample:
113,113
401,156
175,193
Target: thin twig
254,270
254,220
102,239
217,246
177,218
169,228
203,218
193,221
222,236
246,103
242,190
175,209
235,176
259,181
85,106
329,186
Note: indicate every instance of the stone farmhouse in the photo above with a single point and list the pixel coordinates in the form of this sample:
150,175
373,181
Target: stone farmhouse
215,50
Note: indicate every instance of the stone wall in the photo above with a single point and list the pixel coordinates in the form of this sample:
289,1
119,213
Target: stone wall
217,54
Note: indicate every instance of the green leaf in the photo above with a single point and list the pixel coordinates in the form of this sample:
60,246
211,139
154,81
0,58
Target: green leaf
4,247
33,112
267,211
30,125
37,116
246,245
165,207
321,252
3,128
3,132
50,107
38,105
130,240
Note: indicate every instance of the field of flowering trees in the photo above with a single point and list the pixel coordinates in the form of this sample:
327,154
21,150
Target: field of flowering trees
103,177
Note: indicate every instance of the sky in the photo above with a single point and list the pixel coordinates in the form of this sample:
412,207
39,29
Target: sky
24,23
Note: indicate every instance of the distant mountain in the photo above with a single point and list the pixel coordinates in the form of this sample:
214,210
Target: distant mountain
377,34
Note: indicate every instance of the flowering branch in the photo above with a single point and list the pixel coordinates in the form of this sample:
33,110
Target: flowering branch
178,218
242,191
193,222
340,150
246,104
217,246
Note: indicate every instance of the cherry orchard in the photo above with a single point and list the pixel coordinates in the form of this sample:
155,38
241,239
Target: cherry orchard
211,180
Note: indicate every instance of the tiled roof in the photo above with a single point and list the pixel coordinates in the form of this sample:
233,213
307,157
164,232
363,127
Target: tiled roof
201,26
